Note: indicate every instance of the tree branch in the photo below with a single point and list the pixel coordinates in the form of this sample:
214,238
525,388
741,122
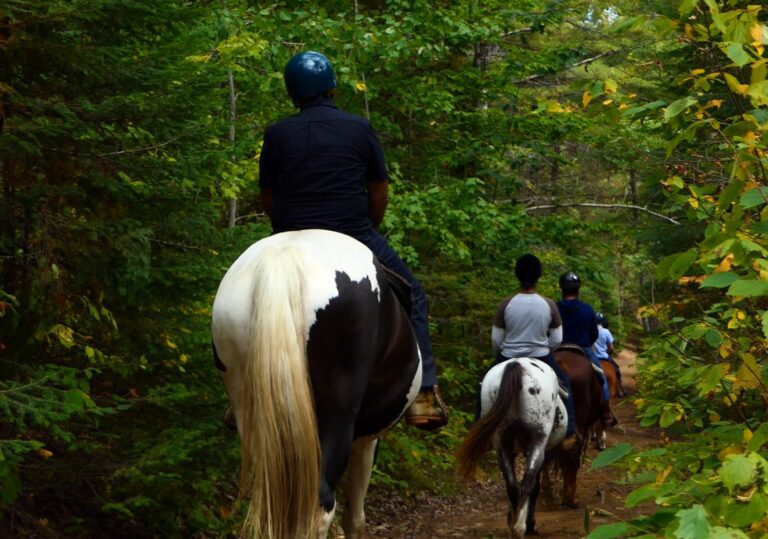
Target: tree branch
606,206
533,78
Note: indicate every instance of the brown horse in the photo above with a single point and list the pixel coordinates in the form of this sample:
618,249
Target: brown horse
588,402
613,389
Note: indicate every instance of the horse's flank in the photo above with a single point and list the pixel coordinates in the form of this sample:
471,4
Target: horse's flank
279,431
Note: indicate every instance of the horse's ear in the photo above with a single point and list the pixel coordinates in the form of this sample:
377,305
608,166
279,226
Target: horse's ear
400,287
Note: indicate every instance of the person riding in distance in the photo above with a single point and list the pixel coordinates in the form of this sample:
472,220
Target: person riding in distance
604,350
580,328
528,324
324,168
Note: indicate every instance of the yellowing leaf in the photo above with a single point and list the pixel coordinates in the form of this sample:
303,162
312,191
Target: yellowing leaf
623,106
693,202
735,85
714,103
663,475
759,33
632,95
697,71
170,344
747,435
183,358
610,86
44,453
586,97
725,264
731,450
747,377
361,86
607,102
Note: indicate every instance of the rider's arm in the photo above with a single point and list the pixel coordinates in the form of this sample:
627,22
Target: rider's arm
497,337
377,200
555,337
267,200
555,330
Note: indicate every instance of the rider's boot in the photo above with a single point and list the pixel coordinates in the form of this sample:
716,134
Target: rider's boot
428,411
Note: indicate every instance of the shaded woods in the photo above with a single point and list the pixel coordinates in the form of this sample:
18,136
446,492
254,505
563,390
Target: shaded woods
625,140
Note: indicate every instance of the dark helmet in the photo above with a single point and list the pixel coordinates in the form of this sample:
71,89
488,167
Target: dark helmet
601,319
528,270
307,74
569,282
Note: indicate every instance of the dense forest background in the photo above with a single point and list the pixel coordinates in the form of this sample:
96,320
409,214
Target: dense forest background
625,140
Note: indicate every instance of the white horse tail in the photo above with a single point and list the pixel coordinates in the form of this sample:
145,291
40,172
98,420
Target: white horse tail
479,439
280,448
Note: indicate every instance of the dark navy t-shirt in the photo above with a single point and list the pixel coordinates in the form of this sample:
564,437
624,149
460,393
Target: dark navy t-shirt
579,322
318,163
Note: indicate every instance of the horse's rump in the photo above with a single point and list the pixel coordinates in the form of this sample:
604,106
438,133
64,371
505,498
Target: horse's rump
314,351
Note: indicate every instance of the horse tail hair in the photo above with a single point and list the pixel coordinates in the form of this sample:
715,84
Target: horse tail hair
280,449
479,439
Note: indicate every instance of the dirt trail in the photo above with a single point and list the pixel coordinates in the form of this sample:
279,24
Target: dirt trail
480,510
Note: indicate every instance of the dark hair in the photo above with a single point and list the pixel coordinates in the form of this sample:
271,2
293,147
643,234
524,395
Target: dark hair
528,270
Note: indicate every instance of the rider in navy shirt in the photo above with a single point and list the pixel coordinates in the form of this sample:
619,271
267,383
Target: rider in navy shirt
580,328
324,168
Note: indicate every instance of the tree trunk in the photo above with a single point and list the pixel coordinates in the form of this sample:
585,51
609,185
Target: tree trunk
232,210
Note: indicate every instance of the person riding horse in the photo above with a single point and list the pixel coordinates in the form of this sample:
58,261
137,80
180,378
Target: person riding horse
580,329
604,350
324,168
528,324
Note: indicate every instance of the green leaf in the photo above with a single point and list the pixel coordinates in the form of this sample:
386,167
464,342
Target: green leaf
754,197
682,263
736,52
764,319
642,494
686,6
720,280
609,531
693,523
718,532
676,107
759,438
729,194
713,338
748,288
611,455
737,471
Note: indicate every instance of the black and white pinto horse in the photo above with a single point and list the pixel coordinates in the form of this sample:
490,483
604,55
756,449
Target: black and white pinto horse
319,359
522,414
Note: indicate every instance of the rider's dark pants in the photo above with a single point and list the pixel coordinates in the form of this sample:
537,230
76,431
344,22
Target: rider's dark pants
419,315
550,360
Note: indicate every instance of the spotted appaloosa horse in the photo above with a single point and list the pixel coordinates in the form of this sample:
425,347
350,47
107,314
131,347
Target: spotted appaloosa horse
319,359
588,403
522,414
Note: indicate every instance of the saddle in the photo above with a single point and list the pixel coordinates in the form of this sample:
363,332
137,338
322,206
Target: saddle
400,287
575,348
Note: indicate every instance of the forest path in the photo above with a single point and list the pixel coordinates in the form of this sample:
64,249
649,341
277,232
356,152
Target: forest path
479,510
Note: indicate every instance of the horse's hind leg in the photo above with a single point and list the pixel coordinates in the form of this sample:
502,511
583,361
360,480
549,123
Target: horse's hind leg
530,483
506,455
358,479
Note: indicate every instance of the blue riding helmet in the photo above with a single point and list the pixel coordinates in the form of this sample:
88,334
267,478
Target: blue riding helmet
307,74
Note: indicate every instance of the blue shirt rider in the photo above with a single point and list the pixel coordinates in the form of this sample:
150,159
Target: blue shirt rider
580,328
324,168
